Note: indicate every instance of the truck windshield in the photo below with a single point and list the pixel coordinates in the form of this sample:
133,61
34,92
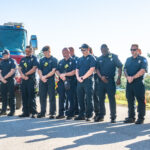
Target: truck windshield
13,40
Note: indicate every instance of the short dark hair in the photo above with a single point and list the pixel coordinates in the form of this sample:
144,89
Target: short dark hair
28,46
71,48
45,48
136,45
65,49
104,46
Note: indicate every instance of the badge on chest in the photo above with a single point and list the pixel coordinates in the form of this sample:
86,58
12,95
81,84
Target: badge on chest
25,65
45,64
66,66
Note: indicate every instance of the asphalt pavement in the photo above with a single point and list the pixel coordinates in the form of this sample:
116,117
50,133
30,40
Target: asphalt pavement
45,134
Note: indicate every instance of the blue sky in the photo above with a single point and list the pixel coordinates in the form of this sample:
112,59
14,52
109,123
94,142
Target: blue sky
63,23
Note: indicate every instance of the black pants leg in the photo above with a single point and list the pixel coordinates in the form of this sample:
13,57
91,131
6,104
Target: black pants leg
111,90
11,91
52,99
81,98
96,99
43,96
4,91
76,106
70,97
88,87
24,92
101,95
131,100
139,91
61,92
31,96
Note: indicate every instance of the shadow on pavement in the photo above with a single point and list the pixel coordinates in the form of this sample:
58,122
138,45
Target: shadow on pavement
85,133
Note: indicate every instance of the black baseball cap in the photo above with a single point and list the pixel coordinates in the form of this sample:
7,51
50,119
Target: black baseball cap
84,46
45,48
5,52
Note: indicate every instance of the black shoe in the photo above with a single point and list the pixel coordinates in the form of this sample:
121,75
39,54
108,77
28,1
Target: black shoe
69,118
88,119
76,113
79,118
11,114
139,121
24,115
98,119
60,117
40,115
129,120
34,116
3,113
51,117
113,121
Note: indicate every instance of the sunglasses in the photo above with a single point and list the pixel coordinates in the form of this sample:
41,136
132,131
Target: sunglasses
133,50
83,50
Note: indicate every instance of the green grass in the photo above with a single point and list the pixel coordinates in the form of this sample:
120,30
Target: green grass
121,99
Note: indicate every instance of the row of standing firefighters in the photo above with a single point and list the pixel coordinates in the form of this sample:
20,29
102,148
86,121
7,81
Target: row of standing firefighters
83,82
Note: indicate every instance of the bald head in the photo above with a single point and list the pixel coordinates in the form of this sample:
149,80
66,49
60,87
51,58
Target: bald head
66,53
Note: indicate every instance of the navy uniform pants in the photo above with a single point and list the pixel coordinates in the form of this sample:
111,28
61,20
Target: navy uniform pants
76,106
109,89
63,95
136,90
95,96
44,89
28,96
85,97
8,95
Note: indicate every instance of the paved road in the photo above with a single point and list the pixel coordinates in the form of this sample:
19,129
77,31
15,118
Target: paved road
45,134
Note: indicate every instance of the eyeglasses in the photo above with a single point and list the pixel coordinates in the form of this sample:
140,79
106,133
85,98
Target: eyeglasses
133,50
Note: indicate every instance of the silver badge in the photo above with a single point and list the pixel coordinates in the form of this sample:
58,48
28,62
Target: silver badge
139,61
70,63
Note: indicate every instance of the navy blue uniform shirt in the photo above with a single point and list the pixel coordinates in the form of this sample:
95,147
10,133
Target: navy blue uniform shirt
6,65
27,63
85,63
133,65
75,59
65,66
46,65
107,65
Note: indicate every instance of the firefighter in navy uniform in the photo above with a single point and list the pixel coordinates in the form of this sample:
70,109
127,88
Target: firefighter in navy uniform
135,68
95,94
106,69
66,73
27,69
46,70
76,106
7,74
84,73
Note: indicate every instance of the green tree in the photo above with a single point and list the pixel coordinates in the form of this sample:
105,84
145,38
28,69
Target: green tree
147,82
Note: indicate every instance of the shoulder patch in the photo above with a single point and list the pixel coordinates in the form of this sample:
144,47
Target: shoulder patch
145,60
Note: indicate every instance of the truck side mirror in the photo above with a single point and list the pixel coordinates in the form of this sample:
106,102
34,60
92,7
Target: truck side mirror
34,42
